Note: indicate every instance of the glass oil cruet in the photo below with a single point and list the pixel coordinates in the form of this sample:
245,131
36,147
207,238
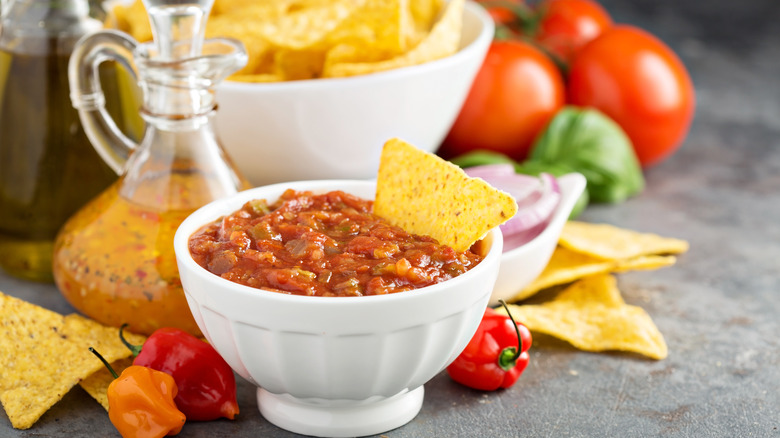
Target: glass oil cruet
48,169
114,260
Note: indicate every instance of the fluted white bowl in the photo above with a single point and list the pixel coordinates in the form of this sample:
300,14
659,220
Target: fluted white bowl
334,366
334,128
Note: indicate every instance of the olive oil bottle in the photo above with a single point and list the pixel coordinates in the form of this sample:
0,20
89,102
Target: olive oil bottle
48,167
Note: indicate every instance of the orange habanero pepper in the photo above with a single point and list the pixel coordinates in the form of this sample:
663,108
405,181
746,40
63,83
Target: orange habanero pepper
140,403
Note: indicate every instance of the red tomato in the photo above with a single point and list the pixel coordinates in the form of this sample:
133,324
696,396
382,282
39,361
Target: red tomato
514,95
639,82
567,25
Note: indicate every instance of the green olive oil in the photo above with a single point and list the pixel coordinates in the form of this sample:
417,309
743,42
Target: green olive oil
48,168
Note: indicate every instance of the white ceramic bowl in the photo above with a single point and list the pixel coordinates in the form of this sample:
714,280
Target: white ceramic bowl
521,265
334,366
335,128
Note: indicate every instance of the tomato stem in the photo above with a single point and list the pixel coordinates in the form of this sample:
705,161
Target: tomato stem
527,20
524,17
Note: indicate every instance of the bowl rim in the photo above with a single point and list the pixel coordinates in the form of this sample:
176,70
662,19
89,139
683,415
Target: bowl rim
481,40
226,205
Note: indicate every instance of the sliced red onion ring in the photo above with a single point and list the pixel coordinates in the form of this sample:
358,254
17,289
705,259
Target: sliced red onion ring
490,170
537,199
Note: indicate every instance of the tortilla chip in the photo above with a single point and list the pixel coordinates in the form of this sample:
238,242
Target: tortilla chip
378,26
426,195
257,78
45,354
260,52
96,385
592,316
131,19
250,8
424,13
608,242
442,41
566,266
352,36
296,65
303,28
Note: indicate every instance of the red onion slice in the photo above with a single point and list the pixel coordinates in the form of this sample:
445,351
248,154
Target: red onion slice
537,198
502,176
490,170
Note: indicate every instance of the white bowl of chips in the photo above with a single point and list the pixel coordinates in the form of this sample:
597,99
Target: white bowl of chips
329,128
334,366
521,265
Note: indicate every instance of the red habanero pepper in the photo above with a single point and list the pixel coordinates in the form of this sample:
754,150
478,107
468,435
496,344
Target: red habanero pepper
140,402
207,386
492,359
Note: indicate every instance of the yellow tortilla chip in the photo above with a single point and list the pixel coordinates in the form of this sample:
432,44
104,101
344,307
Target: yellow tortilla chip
566,266
45,354
298,64
302,39
96,385
303,28
131,19
608,242
260,52
236,7
379,27
426,195
442,41
257,78
424,13
592,316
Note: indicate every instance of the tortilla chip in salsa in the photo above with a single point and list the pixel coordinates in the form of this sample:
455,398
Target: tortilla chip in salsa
424,194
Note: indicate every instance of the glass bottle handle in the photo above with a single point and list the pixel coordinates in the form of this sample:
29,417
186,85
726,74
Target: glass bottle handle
87,94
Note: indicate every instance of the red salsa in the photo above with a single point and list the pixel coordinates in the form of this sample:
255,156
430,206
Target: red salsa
326,245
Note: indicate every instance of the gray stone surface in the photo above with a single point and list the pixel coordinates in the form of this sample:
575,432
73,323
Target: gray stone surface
717,307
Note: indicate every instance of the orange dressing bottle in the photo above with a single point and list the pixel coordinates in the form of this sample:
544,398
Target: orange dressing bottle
114,259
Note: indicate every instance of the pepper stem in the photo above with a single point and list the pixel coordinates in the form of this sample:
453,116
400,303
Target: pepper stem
509,355
105,362
135,349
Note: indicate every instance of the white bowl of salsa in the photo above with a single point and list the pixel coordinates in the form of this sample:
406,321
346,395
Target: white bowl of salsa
334,366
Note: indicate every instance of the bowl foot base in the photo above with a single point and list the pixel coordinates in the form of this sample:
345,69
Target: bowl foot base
339,419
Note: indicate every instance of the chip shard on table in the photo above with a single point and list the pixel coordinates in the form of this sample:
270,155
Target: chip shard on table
45,354
566,266
592,316
608,242
426,195
587,249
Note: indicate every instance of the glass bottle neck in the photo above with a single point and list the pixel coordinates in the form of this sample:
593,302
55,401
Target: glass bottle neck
185,87
175,99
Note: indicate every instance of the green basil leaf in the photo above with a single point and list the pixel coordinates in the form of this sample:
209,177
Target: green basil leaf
587,141
480,158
